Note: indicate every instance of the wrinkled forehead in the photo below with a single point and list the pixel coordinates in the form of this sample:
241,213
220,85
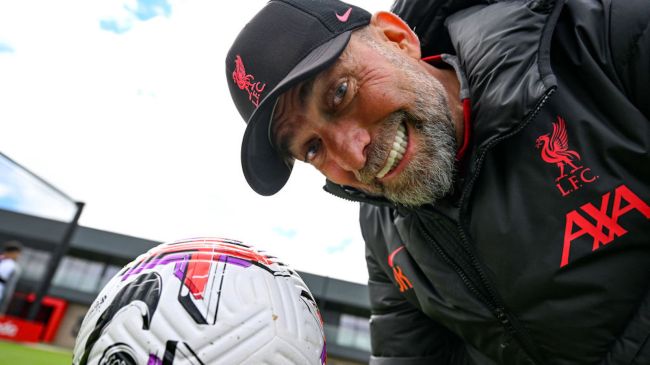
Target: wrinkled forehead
295,100
302,95
282,129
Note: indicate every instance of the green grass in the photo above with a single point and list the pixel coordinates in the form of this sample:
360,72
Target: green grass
12,353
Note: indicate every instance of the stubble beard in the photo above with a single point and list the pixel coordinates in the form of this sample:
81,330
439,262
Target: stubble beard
429,175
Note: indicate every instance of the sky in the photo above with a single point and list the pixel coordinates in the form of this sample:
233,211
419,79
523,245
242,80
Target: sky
124,105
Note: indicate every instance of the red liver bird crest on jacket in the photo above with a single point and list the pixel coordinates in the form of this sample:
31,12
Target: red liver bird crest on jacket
555,149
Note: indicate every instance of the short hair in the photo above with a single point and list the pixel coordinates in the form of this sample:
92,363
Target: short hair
13,246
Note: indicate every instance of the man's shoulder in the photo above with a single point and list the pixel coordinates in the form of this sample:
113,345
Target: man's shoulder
427,18
7,263
7,268
370,212
376,223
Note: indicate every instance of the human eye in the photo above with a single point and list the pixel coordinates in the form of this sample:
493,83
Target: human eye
339,93
312,150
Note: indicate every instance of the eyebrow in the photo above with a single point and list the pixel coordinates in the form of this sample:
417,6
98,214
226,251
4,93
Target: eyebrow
305,90
283,144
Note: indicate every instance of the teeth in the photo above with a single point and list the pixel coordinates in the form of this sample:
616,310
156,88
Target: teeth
396,153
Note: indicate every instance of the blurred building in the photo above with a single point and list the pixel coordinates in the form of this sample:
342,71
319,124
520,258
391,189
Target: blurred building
95,256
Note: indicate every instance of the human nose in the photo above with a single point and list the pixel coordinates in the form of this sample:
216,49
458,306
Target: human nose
348,142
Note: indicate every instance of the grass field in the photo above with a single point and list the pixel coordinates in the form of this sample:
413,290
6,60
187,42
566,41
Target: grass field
18,354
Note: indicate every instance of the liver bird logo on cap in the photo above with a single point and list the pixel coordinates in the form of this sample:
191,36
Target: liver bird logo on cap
245,82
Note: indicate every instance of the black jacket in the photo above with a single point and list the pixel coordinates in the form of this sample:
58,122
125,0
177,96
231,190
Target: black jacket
542,254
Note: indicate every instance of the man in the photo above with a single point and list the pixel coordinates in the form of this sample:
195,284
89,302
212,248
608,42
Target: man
503,178
9,271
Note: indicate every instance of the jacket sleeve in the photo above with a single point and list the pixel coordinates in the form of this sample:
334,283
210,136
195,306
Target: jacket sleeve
400,333
630,44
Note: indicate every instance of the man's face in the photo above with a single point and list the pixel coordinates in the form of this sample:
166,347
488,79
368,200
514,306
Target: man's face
376,120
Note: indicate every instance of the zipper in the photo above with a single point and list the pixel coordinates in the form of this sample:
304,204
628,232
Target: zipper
469,283
482,287
507,320
356,196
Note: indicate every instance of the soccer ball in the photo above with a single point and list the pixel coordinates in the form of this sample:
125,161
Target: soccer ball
203,301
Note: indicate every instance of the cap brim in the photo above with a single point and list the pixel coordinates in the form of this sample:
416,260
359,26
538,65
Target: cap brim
265,170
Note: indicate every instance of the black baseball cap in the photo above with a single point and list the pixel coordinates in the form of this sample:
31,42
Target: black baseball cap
287,42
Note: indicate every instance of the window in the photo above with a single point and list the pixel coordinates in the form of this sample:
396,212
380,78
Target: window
79,274
73,273
109,272
353,331
33,263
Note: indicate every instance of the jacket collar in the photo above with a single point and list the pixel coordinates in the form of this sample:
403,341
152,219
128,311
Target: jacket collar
504,50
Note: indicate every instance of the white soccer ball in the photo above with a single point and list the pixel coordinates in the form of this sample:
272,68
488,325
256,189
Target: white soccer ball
203,301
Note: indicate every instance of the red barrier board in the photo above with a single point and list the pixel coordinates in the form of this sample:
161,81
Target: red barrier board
58,307
16,329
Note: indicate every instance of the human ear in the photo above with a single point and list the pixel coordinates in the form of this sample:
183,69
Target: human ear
395,31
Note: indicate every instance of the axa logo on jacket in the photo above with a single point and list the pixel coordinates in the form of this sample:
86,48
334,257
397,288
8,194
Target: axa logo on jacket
605,227
597,220
554,148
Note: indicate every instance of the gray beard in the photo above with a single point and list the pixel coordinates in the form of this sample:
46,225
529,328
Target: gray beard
430,174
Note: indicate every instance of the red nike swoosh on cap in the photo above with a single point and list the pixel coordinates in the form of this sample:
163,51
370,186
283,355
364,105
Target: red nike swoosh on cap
344,18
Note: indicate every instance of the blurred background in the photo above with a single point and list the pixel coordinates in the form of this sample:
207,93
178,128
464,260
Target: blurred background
123,105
